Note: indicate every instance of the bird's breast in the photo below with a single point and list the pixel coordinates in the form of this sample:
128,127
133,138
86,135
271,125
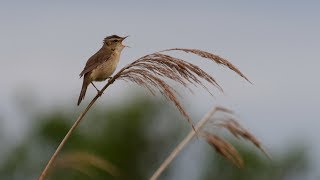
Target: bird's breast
106,69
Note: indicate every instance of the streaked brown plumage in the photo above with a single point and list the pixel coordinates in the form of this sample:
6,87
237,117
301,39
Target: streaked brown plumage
103,63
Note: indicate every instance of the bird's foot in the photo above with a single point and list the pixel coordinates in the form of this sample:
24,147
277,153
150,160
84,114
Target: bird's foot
100,93
109,79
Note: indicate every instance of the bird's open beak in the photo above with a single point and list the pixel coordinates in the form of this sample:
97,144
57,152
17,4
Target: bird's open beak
124,39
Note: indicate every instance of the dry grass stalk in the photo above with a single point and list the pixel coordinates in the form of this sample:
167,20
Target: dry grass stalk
224,148
81,162
151,71
184,142
238,131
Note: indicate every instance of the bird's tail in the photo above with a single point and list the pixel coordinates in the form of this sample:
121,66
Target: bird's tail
83,90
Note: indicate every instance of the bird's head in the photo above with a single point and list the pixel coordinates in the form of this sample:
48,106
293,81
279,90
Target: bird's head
114,42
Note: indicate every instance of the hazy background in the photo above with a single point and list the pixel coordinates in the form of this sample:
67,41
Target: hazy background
44,46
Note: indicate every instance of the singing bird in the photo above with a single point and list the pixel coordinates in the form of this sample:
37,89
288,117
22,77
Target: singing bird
102,64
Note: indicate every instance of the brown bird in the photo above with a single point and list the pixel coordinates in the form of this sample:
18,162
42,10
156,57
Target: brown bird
102,64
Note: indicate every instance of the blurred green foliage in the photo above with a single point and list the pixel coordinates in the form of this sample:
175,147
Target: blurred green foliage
292,165
122,134
131,137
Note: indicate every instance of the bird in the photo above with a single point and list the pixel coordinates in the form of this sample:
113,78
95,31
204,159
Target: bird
102,64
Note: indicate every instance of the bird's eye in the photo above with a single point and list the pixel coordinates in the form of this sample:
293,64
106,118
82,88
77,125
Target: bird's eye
115,40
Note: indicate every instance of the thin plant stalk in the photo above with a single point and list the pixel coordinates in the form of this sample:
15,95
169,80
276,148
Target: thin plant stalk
73,127
183,143
147,72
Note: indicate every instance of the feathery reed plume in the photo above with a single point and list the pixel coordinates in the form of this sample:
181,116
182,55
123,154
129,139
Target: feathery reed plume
224,148
215,58
151,71
81,161
186,140
148,70
238,131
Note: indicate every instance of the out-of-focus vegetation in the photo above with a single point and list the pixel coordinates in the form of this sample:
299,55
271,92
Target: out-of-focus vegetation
131,138
293,164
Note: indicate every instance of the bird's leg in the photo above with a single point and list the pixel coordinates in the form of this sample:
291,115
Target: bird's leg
95,86
109,78
99,92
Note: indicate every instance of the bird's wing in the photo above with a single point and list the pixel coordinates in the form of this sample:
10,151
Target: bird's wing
95,60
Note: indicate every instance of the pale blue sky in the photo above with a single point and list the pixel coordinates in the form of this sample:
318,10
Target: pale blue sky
276,44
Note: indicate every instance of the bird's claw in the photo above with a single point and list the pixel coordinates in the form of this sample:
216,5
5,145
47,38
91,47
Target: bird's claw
100,93
109,79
